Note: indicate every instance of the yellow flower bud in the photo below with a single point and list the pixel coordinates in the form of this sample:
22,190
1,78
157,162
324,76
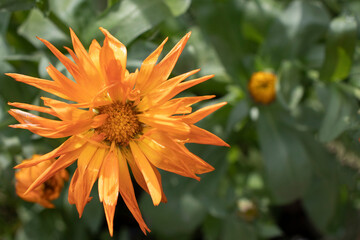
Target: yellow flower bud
262,87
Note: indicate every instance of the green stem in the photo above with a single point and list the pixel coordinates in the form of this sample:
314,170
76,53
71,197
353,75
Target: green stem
59,23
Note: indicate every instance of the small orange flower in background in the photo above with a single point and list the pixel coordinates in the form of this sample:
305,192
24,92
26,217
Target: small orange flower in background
45,192
119,120
262,87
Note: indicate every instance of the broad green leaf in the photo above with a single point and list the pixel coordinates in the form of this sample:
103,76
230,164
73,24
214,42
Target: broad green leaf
340,46
339,114
321,196
268,230
5,17
320,201
254,27
77,14
178,7
235,229
290,89
206,56
178,216
238,113
215,18
286,161
211,228
128,19
297,28
36,25
16,5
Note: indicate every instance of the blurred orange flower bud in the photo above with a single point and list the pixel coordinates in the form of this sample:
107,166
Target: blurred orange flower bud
45,192
262,87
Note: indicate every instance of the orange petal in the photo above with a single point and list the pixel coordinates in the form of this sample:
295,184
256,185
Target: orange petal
108,185
86,66
62,162
162,70
160,158
163,92
94,53
71,194
45,85
201,136
113,64
176,149
147,67
148,173
165,123
185,85
186,102
52,128
69,88
69,65
89,165
127,191
139,178
33,108
69,145
201,113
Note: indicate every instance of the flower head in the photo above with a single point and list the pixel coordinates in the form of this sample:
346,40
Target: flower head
262,87
119,120
44,193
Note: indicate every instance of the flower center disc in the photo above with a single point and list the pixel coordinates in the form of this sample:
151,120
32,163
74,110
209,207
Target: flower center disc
121,125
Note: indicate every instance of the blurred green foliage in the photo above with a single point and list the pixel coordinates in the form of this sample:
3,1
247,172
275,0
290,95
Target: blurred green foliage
296,160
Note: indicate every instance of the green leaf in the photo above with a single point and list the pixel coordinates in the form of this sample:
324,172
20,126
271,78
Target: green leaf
286,161
238,113
220,21
178,7
340,46
286,38
339,114
234,229
128,19
290,89
76,14
37,25
321,196
320,201
211,228
178,216
254,27
16,5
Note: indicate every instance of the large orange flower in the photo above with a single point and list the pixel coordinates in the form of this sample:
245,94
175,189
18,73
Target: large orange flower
118,119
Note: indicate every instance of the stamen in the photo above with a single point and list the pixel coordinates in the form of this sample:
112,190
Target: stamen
121,125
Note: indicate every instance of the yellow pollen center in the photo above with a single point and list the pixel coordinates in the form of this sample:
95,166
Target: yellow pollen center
121,125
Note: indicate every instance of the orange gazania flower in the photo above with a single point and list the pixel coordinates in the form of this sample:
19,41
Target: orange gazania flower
119,119
262,87
45,192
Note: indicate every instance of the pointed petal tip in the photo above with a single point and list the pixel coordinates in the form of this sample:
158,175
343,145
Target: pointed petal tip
104,31
9,74
17,166
227,145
